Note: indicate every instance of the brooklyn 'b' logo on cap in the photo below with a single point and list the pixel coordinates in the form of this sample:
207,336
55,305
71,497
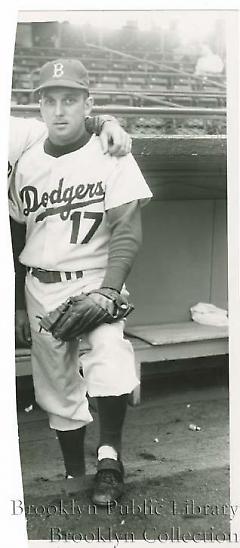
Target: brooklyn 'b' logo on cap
58,70
68,73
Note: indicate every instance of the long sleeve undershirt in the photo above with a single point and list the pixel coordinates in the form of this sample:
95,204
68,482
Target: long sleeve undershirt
126,236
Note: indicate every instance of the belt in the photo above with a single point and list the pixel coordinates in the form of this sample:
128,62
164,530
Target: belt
54,276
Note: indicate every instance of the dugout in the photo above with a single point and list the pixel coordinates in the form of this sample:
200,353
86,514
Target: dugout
183,259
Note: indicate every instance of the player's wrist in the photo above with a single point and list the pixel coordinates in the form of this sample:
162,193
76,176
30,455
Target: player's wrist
113,281
109,292
94,124
106,119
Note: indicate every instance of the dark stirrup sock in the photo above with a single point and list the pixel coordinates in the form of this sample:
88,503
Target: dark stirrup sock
112,411
72,446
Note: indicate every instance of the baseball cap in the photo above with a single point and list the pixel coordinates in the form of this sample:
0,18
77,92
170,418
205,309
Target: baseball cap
70,73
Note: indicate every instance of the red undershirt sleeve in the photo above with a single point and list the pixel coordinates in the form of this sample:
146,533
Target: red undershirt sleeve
126,237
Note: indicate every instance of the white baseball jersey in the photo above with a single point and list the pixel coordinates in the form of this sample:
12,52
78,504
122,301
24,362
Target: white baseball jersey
24,132
209,63
64,200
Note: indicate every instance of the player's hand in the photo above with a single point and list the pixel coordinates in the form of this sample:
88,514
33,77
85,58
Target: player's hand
22,328
114,139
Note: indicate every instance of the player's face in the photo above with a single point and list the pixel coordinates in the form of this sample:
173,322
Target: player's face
64,110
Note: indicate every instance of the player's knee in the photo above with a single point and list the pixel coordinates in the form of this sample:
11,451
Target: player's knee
106,336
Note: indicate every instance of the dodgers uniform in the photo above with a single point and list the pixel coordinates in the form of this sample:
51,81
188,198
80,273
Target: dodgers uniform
63,201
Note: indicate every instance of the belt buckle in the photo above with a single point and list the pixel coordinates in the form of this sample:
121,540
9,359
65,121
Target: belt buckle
62,276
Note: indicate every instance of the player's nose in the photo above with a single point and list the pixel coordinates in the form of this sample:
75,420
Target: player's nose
59,108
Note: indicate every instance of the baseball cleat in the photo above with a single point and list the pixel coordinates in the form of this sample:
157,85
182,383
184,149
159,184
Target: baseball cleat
108,482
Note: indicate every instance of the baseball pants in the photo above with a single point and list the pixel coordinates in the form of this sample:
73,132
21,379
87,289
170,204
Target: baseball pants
108,367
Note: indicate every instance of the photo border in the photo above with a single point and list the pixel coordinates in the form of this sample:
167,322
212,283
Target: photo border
14,531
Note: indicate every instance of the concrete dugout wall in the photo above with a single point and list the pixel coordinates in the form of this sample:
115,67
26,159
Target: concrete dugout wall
183,259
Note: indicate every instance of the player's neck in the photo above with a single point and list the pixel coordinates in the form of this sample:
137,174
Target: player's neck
57,150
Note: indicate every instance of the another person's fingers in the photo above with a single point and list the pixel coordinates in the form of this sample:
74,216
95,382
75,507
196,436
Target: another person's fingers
126,144
129,143
115,140
120,142
104,141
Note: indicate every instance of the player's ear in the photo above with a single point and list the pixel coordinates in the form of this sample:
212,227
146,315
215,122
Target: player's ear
40,102
88,105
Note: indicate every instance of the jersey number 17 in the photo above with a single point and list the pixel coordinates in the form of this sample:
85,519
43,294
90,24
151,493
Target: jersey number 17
77,219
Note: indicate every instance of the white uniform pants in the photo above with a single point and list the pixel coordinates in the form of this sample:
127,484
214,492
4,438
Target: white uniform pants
108,367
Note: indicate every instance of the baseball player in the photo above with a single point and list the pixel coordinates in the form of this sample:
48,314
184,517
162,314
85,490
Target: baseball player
83,229
24,132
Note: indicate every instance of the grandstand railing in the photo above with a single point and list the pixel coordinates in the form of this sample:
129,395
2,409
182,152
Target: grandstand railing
119,109
160,66
167,93
154,119
145,77
141,98
107,55
149,67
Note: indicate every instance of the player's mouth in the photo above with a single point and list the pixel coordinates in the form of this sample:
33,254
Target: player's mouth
60,124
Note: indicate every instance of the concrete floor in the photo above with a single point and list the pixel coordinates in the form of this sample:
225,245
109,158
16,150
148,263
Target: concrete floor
177,480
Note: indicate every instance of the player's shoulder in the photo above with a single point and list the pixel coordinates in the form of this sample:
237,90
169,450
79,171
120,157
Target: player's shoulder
114,161
30,156
94,144
27,126
24,133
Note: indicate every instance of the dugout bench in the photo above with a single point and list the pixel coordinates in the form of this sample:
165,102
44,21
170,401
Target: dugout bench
183,259
168,342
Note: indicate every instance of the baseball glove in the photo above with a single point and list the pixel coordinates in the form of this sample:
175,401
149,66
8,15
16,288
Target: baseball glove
83,313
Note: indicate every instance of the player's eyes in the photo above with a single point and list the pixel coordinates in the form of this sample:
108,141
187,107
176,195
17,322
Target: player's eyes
48,101
69,100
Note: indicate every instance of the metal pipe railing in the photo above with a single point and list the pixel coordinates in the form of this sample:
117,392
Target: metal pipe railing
128,110
144,74
192,94
160,66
